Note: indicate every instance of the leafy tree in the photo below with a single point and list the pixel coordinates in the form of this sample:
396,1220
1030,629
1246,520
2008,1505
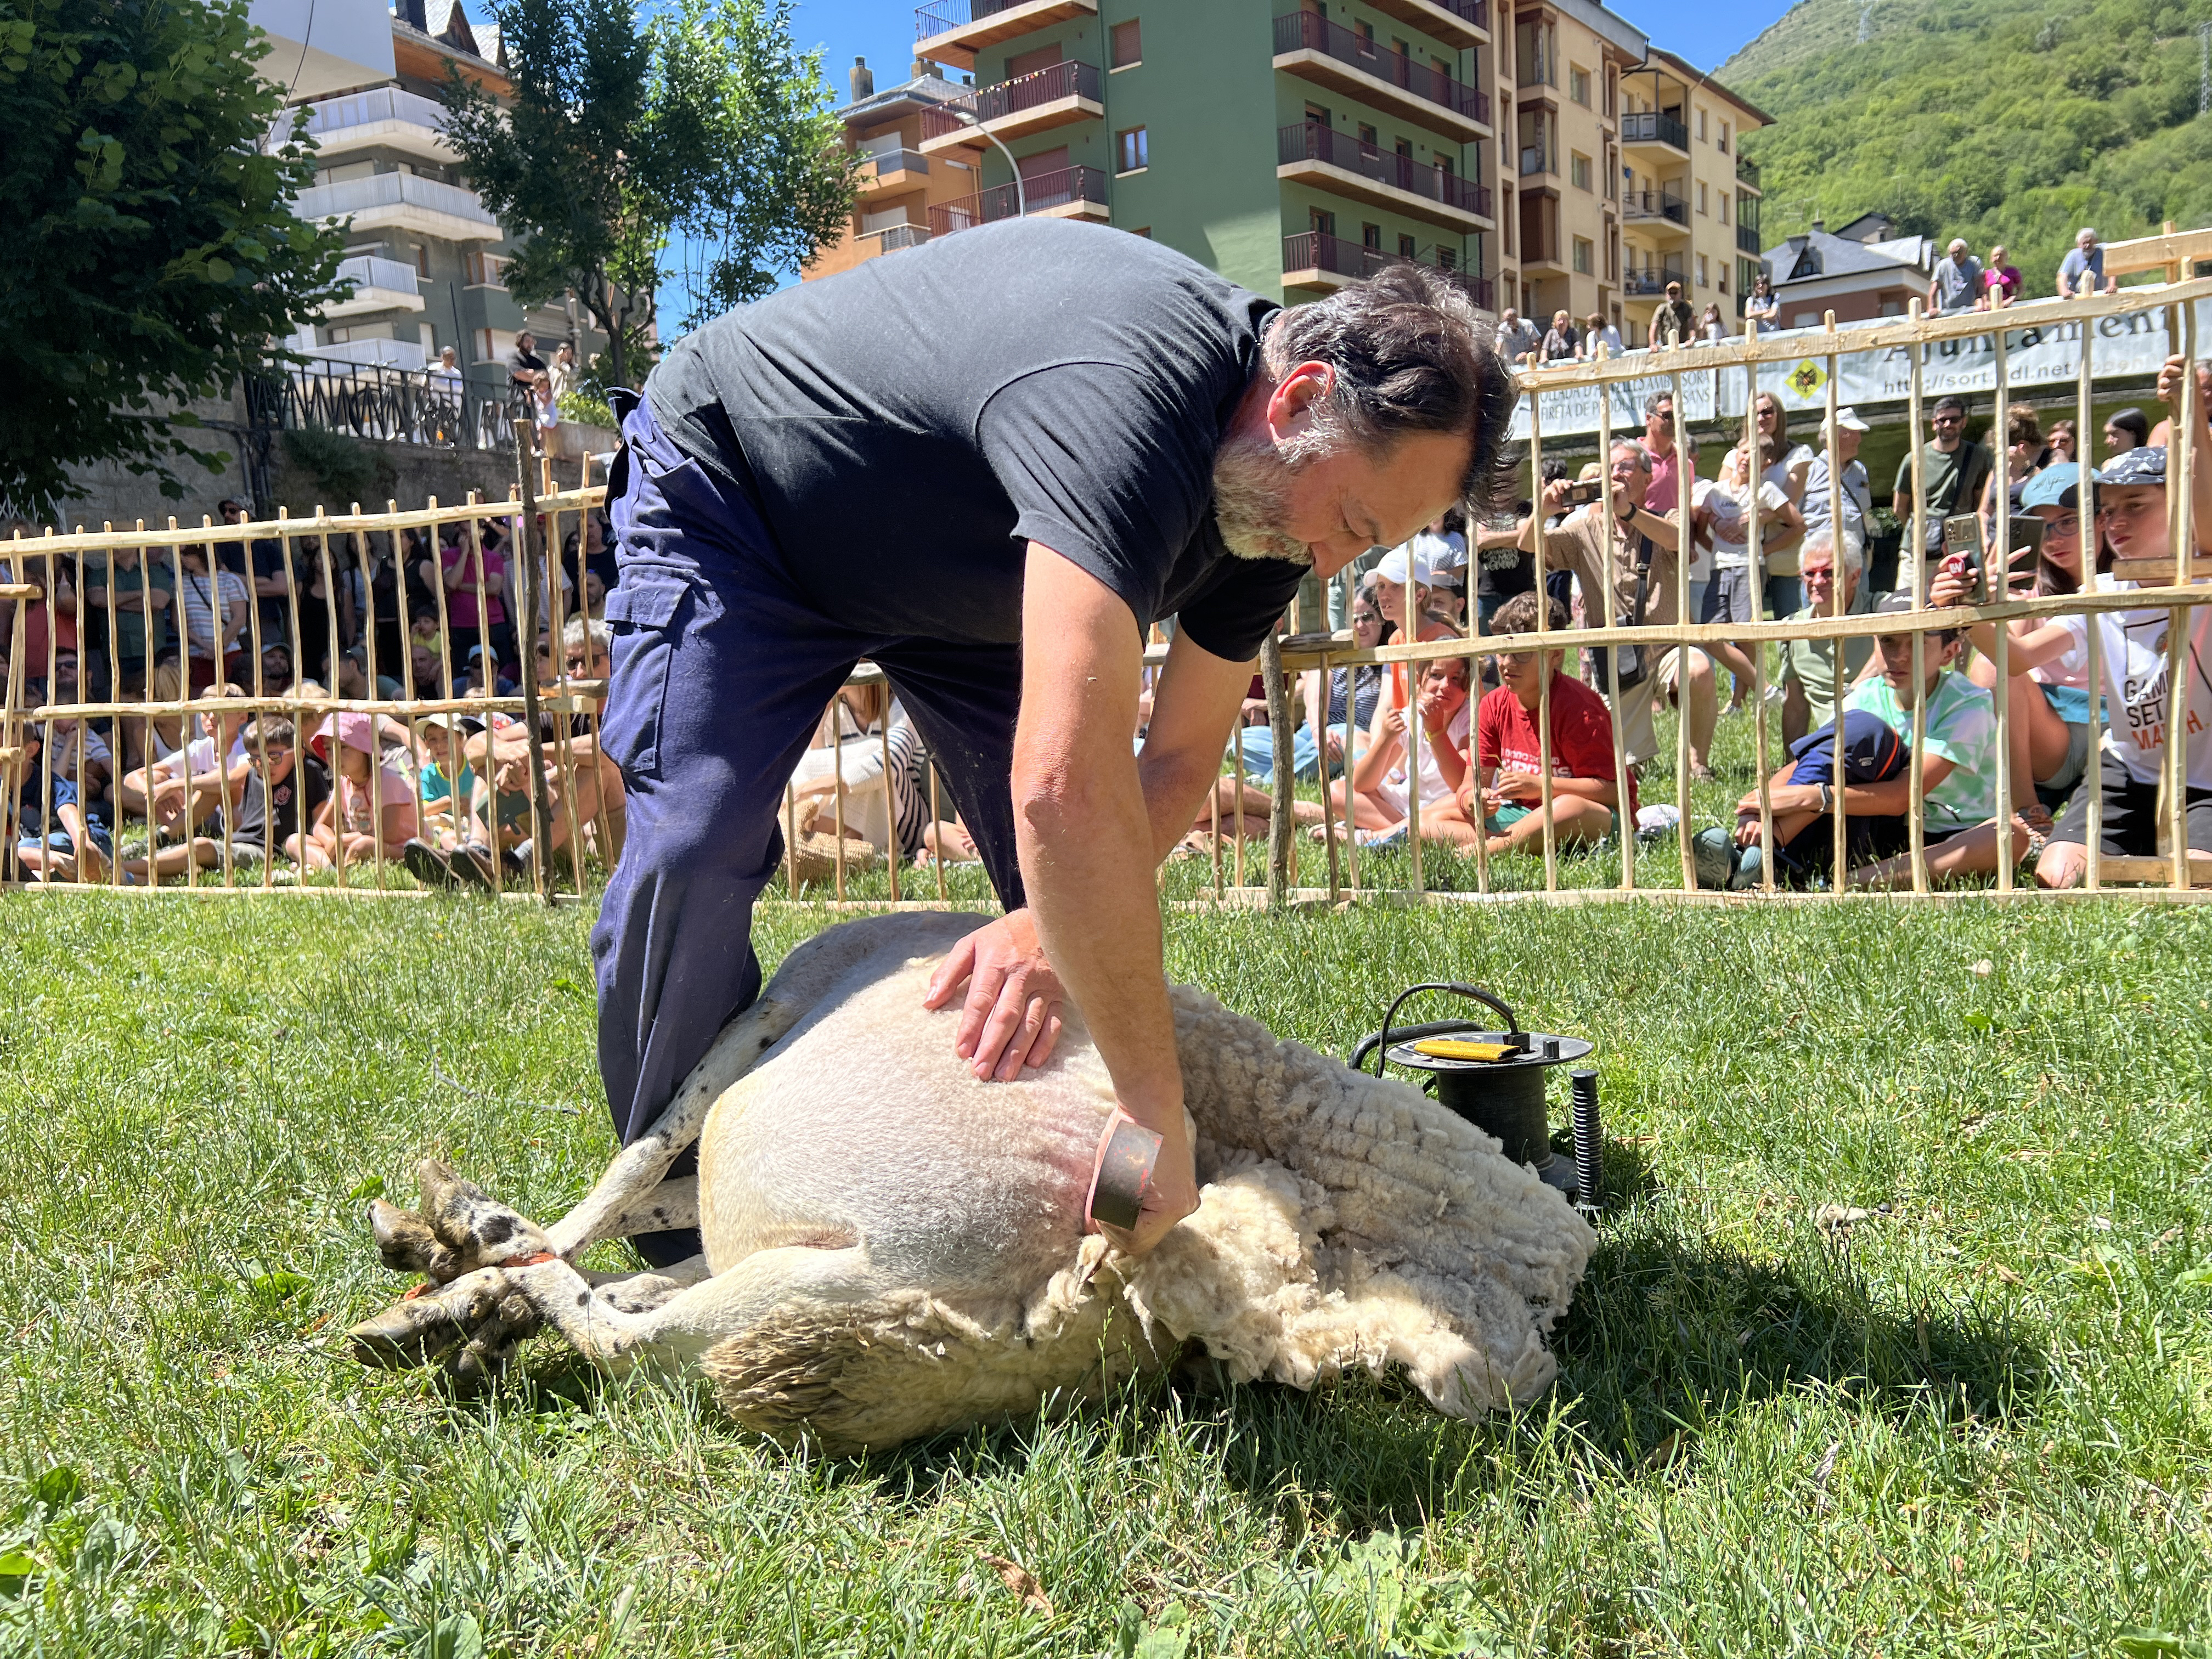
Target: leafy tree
155,257
707,117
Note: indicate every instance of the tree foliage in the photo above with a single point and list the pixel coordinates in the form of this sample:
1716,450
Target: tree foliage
2011,121
155,257
706,119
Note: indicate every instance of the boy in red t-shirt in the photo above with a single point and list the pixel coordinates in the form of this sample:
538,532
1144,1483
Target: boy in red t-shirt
1509,770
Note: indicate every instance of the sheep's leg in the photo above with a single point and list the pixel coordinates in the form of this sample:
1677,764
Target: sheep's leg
671,1205
475,1322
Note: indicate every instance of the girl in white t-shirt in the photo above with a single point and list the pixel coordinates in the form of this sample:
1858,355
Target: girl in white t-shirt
1724,512
1380,788
1789,467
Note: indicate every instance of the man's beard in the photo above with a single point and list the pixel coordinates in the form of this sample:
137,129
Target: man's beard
1251,499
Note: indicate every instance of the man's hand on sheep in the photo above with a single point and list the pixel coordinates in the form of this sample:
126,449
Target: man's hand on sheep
1011,1017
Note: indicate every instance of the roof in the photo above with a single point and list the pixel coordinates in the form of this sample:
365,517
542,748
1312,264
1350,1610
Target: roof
1608,26
448,28
1660,57
1819,255
922,90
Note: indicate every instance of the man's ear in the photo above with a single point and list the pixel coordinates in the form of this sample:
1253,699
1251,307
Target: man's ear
1295,395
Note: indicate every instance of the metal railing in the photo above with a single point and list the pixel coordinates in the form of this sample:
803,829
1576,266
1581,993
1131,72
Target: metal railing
893,160
1476,12
891,237
1652,126
349,196
1654,204
1651,279
1009,98
1309,140
1746,171
1306,31
438,408
1314,250
940,15
1747,240
1041,193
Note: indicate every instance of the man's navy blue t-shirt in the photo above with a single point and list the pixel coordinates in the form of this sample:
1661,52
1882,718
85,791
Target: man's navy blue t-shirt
906,427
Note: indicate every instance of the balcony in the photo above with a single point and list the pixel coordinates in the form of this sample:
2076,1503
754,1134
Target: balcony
1535,163
401,201
1650,282
1459,23
1652,127
892,238
1746,240
1014,109
385,119
1071,193
377,285
891,173
1746,173
1314,258
1654,209
1330,55
1335,162
954,31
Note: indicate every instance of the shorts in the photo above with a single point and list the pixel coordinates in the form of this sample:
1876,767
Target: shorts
2071,704
2131,829
1506,817
1728,598
58,840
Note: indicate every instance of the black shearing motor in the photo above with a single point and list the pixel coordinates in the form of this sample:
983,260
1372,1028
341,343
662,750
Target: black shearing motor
1495,1080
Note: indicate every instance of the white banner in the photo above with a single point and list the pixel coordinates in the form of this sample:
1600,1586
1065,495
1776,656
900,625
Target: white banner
2046,352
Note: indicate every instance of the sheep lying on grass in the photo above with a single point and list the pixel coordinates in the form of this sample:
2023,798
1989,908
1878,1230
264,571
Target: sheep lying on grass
893,1248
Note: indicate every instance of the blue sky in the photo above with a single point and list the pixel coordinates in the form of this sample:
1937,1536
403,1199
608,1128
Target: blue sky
1705,32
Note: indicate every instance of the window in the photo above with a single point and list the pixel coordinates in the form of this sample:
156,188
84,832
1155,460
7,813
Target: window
1126,46
1583,259
1701,197
1318,114
421,260
1405,247
1321,221
1578,169
1703,280
1367,137
1129,152
1371,236
1724,137
1701,126
1723,207
483,269
1406,148
1724,276
1578,85
1028,63
1365,31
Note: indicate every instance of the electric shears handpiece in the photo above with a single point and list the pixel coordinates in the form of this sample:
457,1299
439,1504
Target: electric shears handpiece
1127,1152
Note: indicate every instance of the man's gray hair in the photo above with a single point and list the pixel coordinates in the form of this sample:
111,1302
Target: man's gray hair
1412,353
1822,540
2085,231
1643,455
580,629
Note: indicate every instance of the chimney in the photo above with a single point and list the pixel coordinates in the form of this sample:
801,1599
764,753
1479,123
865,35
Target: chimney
922,69
1819,228
864,80
411,13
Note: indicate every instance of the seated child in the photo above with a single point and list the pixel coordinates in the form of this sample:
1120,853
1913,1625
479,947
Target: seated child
1804,835
1509,753
57,836
1380,785
373,810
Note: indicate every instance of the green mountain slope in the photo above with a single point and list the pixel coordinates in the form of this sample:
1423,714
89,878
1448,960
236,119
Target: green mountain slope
2011,121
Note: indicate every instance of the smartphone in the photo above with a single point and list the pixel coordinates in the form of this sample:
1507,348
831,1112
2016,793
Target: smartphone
1962,540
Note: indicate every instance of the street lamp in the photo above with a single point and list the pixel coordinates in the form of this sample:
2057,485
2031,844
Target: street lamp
1021,198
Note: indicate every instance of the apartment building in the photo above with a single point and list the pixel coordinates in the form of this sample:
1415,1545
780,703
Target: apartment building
1690,203
901,191
424,254
1293,150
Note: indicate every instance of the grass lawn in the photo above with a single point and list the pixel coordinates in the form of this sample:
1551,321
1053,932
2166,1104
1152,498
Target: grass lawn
1977,1425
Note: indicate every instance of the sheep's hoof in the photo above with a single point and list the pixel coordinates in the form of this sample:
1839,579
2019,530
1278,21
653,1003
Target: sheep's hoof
405,1240
480,1230
473,1325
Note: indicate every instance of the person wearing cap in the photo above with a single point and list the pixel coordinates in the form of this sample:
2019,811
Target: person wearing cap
1819,502
2138,655
448,788
373,812
1672,322
1956,284
1802,794
2081,272
1407,561
2047,714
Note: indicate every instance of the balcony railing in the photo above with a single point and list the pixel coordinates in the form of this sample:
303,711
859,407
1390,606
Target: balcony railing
942,14
1652,279
1746,170
1746,240
1313,250
1650,126
360,109
354,196
1025,92
368,270
1476,12
894,160
1309,140
1654,204
892,238
441,408
1046,190
1304,31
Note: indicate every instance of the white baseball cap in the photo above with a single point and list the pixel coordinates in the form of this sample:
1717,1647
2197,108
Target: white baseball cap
1393,568
1445,552
1848,418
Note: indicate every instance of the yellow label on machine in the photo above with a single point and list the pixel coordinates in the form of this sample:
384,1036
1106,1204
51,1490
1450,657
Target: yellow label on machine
1453,1048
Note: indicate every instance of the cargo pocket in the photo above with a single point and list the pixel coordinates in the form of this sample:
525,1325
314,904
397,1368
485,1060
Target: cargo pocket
641,616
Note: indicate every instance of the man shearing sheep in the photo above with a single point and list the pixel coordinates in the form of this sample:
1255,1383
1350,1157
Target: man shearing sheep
989,465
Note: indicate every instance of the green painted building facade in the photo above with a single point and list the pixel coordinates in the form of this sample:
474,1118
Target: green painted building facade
1263,141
